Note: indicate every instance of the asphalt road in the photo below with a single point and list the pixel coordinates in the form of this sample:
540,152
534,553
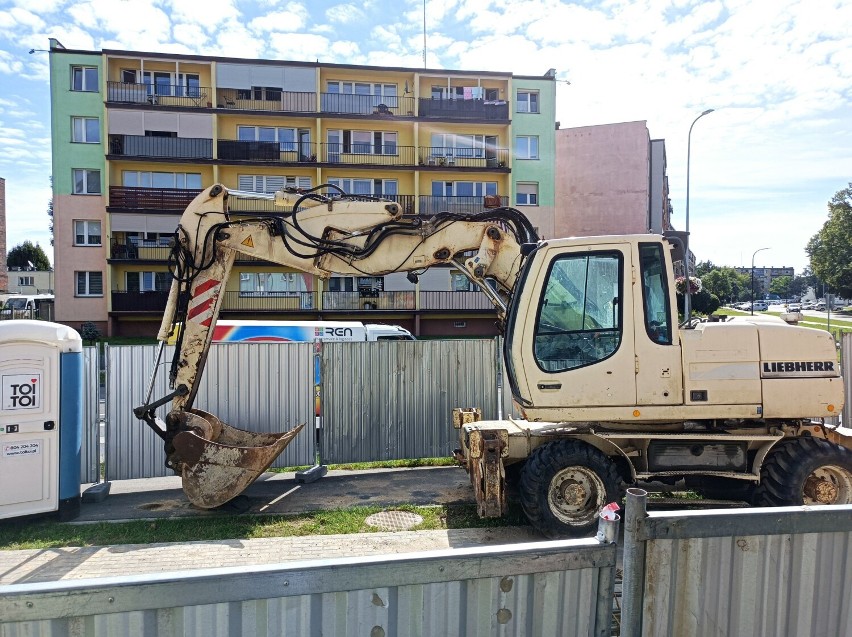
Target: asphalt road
279,493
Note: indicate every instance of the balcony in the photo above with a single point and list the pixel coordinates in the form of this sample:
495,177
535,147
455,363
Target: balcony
382,105
465,205
143,146
368,300
492,110
479,158
368,154
273,101
171,199
144,251
130,301
262,151
454,301
269,301
159,94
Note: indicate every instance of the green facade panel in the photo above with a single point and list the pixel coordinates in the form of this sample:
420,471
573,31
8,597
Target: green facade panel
75,92
541,125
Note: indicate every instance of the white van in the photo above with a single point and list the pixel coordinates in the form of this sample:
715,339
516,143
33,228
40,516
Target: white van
25,306
305,331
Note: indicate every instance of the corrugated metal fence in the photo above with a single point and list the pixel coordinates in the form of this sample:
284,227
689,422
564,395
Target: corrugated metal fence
381,400
777,571
260,387
541,589
90,448
393,399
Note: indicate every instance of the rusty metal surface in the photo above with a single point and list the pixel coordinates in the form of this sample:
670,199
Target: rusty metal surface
216,470
487,474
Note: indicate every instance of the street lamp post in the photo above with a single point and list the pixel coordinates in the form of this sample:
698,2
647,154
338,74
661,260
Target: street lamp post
687,305
752,277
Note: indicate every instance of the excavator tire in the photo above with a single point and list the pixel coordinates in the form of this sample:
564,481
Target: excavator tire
805,471
564,485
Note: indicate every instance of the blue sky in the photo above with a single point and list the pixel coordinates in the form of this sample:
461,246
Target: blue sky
763,166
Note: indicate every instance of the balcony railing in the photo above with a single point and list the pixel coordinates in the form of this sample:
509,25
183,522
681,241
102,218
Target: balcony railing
368,154
454,301
159,94
432,205
383,105
143,251
352,301
269,301
128,301
160,147
464,157
278,101
151,198
464,109
275,152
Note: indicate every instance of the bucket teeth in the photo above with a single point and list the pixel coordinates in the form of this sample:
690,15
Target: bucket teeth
218,469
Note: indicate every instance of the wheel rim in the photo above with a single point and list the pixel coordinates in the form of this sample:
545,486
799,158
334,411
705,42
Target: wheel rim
829,484
575,496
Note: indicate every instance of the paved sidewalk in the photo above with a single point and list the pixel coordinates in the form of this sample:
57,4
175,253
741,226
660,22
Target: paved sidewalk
159,498
49,565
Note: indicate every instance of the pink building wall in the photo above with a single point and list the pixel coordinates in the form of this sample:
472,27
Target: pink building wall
69,259
603,180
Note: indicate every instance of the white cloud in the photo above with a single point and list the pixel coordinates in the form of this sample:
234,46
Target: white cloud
293,19
345,14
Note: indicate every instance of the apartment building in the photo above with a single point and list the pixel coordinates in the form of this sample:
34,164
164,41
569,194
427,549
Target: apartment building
763,277
136,135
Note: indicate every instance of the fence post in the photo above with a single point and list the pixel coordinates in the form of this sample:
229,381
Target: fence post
846,374
633,580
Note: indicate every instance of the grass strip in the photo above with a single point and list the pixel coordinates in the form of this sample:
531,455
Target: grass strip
46,534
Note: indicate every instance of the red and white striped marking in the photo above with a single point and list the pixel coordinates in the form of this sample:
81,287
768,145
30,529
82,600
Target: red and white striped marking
203,299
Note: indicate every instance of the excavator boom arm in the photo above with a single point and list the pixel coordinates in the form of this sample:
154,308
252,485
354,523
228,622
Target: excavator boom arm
323,235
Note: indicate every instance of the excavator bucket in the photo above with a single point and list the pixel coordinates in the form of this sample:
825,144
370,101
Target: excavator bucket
218,462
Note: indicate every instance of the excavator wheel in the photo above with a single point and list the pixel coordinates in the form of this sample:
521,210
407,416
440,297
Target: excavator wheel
564,485
805,471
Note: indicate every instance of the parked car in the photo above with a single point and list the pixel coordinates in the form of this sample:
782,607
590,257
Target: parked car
794,307
760,306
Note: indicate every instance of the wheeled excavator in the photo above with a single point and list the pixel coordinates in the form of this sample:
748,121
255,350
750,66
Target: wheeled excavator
612,389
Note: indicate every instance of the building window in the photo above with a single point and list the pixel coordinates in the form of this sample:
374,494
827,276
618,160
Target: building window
87,182
148,179
373,187
26,281
90,283
271,183
463,188
460,283
526,194
527,102
147,281
85,130
84,78
361,143
87,233
272,284
288,139
526,147
150,239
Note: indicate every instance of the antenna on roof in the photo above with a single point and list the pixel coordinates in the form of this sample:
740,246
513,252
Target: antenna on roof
424,34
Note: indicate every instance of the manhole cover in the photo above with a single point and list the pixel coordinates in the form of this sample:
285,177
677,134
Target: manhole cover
394,520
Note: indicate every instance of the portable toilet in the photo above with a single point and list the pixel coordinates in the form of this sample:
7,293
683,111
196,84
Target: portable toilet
41,418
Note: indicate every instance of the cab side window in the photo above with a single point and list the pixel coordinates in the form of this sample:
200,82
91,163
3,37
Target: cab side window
579,314
655,293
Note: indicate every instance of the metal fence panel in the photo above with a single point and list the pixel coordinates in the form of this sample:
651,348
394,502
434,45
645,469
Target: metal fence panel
255,386
90,452
536,589
388,400
780,571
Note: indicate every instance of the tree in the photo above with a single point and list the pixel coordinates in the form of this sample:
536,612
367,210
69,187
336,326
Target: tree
27,255
830,249
725,284
781,286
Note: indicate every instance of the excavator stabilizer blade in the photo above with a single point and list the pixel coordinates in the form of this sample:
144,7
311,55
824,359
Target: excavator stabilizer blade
217,470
